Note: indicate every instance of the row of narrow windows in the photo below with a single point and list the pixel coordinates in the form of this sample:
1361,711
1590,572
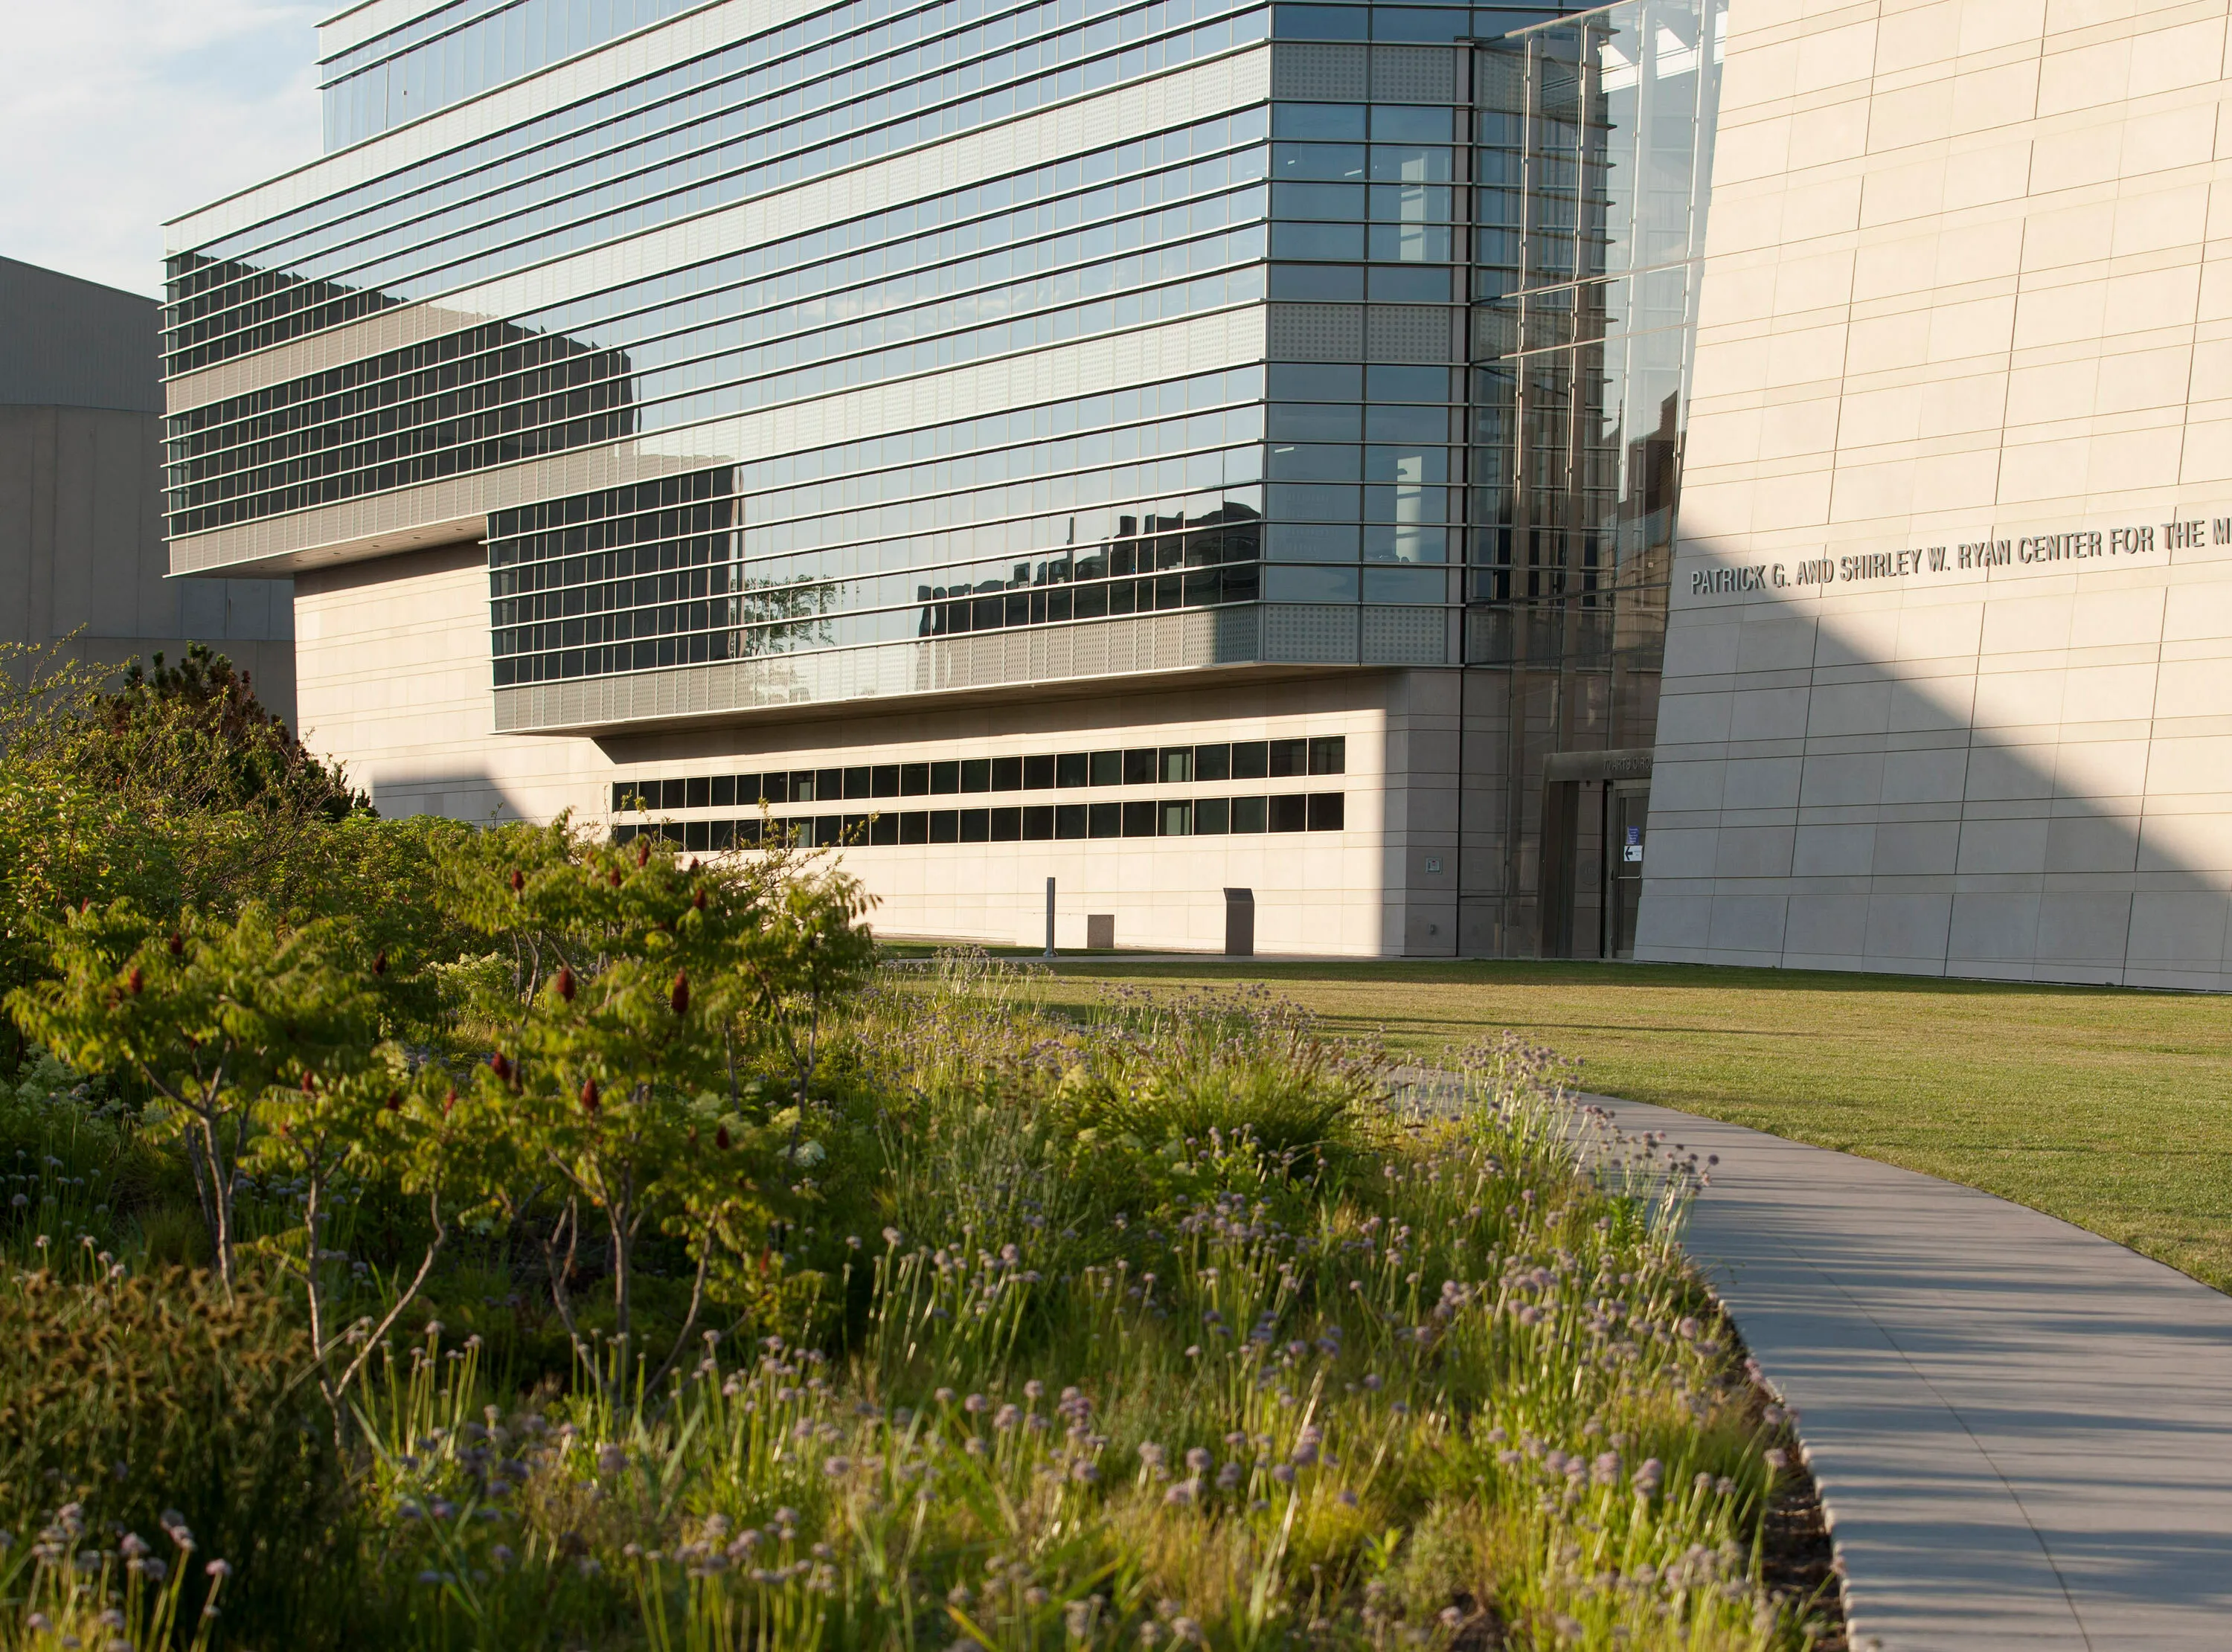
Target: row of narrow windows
1237,760
1144,818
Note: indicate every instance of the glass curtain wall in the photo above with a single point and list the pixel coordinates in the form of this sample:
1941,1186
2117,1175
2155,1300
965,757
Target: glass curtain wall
1593,159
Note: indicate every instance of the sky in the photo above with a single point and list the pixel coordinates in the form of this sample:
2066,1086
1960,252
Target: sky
120,114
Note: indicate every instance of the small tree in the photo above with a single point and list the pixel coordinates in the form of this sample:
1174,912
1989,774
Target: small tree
262,1044
210,1018
612,1083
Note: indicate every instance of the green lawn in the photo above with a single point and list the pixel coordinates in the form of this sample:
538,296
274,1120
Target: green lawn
2110,1109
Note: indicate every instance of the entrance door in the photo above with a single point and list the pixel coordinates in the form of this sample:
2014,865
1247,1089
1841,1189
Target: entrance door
1627,806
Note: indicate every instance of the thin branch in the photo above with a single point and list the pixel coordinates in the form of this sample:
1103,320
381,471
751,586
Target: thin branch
696,1302
372,1340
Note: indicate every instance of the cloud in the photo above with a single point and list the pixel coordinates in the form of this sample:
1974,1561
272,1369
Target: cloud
122,114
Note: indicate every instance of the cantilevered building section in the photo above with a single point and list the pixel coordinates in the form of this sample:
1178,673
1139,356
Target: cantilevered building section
1184,449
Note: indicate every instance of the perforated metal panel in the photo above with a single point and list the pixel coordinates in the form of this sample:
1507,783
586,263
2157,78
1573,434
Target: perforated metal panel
1335,74
1309,634
1495,332
1164,642
1406,333
1500,81
1239,634
1404,636
1414,75
1314,331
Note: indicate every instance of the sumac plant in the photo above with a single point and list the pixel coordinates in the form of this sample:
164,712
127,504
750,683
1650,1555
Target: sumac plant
264,1046
607,1096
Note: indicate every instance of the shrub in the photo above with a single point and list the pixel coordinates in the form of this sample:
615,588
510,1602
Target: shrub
135,1397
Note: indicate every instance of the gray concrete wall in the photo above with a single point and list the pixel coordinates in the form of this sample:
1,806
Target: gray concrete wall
81,546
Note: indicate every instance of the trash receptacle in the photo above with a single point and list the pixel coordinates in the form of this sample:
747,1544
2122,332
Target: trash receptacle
1239,923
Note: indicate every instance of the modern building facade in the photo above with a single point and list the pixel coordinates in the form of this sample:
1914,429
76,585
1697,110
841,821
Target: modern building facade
1196,447
1949,670
82,525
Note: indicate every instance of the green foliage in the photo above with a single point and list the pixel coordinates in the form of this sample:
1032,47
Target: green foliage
1152,1325
1472,1397
224,1023
614,1082
138,1398
195,737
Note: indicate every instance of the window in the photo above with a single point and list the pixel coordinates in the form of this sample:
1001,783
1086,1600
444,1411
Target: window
829,785
1007,825
1212,815
1302,582
1290,814
975,826
1038,774
1139,820
670,795
1251,760
1007,774
1290,757
858,782
945,825
1321,22
1320,164
1038,823
1315,381
1320,422
1331,242
914,827
944,778
884,829
1212,762
1310,542
1069,769
884,780
1139,765
1391,384
1326,811
725,792
1104,820
1295,462
1178,765
1339,122
1247,814
1404,585
1107,768
1176,819
914,779
1324,284
976,774
1069,820
1329,755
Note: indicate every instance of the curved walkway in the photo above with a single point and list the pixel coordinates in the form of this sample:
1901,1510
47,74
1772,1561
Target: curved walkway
2021,1432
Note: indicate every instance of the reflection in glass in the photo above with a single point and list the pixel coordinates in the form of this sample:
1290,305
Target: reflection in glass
1585,284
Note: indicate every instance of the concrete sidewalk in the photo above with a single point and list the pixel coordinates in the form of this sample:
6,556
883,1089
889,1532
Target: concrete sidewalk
2023,1433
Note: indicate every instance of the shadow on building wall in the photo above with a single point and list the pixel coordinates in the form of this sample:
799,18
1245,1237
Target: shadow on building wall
1957,788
